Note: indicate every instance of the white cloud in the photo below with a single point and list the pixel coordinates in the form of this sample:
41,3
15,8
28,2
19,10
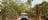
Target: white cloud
36,2
47,0
24,0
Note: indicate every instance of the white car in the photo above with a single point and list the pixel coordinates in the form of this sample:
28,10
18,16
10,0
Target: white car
24,16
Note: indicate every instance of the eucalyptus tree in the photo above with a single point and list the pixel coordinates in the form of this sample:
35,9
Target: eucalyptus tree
44,9
9,7
29,4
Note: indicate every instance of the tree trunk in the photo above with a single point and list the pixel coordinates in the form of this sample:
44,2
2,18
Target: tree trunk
45,13
38,12
3,15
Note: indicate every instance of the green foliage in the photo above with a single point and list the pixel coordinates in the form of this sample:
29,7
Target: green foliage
22,8
29,2
43,8
0,8
12,9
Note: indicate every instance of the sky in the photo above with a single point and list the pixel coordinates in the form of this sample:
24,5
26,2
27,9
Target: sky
35,2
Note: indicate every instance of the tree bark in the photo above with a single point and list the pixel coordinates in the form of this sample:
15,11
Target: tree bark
38,12
3,15
45,11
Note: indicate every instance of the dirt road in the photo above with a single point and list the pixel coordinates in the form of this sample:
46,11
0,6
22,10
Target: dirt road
28,19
